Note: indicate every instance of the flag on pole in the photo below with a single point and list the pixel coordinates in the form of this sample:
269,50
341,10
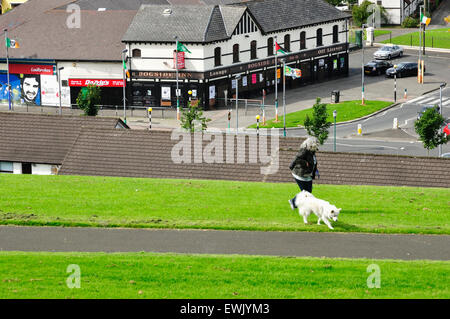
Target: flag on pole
182,48
424,19
125,68
12,43
294,73
279,48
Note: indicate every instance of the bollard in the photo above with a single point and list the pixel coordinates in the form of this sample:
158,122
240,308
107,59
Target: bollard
405,95
229,120
150,117
257,125
395,123
178,112
359,129
264,117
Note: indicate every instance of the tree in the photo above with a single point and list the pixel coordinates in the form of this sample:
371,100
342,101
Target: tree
192,117
88,99
428,127
362,12
318,125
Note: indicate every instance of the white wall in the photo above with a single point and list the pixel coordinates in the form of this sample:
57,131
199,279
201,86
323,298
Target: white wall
41,169
17,168
394,8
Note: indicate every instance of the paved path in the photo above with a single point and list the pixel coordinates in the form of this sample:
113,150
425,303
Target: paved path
345,245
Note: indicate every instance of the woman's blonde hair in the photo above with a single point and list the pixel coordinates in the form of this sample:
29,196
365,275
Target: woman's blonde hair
311,144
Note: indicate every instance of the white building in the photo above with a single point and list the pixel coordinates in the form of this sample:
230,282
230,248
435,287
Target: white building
397,10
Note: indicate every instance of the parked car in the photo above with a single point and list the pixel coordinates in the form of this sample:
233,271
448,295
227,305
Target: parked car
403,69
377,67
446,155
426,107
388,52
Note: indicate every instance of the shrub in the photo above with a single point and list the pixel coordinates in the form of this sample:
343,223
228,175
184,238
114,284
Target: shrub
410,22
88,99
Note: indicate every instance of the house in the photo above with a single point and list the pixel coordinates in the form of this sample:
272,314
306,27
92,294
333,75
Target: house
397,10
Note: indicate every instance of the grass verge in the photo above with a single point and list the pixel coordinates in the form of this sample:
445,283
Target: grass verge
170,203
175,276
346,111
438,38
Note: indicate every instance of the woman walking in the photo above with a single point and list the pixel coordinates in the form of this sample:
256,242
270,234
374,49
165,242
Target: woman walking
304,166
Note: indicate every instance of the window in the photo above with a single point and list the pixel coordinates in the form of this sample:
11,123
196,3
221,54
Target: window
235,53
335,34
319,37
302,40
217,56
6,167
253,50
269,46
136,53
287,42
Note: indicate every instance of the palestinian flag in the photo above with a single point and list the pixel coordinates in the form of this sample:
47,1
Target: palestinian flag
182,48
125,68
12,43
424,19
279,48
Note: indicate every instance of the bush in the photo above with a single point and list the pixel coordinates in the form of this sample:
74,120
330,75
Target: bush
192,118
88,99
410,22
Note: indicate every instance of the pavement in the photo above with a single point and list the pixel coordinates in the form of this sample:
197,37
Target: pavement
310,244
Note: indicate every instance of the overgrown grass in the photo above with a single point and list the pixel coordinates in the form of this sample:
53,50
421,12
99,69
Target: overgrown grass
346,111
438,38
161,203
151,275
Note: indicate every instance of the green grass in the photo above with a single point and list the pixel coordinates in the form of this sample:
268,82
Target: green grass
171,203
439,38
346,111
174,276
377,33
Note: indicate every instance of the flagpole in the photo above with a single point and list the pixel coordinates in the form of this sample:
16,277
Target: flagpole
176,92
7,68
276,81
284,97
419,69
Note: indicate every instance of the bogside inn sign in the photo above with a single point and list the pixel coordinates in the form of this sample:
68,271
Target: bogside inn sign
182,75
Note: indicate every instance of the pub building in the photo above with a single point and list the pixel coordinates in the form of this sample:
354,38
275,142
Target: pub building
224,41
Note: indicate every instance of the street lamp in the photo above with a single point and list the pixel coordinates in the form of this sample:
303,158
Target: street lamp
59,86
237,77
440,109
124,81
334,116
362,68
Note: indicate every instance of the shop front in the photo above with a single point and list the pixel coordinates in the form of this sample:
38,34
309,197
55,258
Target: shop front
111,90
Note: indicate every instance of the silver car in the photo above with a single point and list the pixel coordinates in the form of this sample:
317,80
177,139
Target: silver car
388,52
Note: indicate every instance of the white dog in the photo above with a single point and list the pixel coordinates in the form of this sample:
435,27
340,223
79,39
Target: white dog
307,204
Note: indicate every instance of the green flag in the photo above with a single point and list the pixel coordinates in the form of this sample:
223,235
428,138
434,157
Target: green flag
11,43
182,48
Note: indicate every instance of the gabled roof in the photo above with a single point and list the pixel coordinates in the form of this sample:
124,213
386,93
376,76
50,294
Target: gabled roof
36,138
191,23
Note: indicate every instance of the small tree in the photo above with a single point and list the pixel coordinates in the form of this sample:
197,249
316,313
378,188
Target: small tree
361,13
88,99
428,127
318,125
192,116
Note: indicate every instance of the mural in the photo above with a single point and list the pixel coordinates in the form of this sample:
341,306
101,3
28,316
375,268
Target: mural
25,89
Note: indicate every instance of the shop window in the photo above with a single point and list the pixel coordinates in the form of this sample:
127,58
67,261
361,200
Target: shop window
26,168
287,42
136,53
303,40
269,46
253,49
335,34
319,37
217,56
6,167
235,53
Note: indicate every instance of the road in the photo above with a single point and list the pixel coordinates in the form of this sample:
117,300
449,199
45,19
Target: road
332,245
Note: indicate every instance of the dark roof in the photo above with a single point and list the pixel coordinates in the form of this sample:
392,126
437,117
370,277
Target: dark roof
37,138
149,154
191,23
115,4
275,15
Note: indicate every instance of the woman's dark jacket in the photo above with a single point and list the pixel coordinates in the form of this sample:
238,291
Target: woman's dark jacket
299,167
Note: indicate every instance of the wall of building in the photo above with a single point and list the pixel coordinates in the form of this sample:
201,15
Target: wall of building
397,10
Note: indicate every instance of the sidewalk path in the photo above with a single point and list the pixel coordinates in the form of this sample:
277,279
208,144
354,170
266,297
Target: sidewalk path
344,245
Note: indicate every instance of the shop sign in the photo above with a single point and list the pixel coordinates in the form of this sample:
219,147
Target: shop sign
30,69
97,82
165,75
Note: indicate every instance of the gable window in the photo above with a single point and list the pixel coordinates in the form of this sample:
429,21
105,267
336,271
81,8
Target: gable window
235,53
269,46
136,53
217,56
319,37
287,42
302,40
335,34
253,50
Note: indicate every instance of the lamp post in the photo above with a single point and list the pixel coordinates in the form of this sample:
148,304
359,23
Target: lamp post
59,86
7,69
419,65
276,79
362,67
284,97
124,82
395,83
334,116
176,70
440,109
238,76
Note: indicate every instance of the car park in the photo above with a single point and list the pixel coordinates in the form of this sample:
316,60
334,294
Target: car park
403,69
377,67
388,52
426,107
